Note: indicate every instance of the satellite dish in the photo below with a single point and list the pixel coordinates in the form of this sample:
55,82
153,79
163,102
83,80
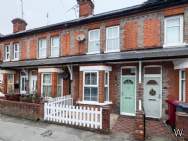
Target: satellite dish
80,37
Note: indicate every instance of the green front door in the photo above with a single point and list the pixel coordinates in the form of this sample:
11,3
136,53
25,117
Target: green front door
128,95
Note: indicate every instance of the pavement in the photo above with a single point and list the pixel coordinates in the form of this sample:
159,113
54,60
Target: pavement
14,129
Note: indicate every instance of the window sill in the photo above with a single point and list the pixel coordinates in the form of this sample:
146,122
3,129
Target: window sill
14,60
94,103
112,51
89,53
6,60
175,45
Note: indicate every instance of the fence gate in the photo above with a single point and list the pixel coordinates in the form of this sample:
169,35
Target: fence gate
61,110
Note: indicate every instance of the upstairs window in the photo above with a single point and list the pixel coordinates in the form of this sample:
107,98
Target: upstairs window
173,31
7,53
55,43
112,39
16,51
42,48
91,86
182,87
94,41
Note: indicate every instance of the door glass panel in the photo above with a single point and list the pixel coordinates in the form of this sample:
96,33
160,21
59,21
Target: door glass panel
129,71
152,82
152,70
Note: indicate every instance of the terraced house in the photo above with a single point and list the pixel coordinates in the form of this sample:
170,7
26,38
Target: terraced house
124,58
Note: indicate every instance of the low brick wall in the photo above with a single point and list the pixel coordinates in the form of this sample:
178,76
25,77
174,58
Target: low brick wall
182,123
25,110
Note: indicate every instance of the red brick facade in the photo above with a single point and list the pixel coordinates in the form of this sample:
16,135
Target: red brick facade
136,32
152,33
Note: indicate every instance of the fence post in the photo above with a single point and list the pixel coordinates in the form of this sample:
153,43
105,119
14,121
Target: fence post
106,119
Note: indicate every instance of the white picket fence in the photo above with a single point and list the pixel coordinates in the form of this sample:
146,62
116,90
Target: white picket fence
73,115
64,100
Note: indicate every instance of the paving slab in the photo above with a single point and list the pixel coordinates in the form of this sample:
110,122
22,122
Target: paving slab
14,129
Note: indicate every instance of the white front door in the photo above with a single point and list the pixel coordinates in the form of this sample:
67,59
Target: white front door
152,96
23,85
33,83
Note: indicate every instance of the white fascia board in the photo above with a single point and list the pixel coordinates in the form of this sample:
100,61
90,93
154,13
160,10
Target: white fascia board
95,68
49,70
181,63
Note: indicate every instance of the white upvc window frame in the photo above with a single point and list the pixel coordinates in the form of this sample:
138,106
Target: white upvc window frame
59,85
42,51
182,97
46,84
90,86
7,53
94,41
55,47
112,38
181,43
106,85
16,53
10,83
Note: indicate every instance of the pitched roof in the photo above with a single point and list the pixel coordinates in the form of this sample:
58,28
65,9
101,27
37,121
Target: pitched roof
147,6
147,54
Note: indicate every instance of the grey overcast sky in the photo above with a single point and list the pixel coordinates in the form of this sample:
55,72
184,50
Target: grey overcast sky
35,11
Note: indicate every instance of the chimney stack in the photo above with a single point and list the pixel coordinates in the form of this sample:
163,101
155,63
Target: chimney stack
18,25
86,8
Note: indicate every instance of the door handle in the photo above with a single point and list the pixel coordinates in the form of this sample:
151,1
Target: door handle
152,99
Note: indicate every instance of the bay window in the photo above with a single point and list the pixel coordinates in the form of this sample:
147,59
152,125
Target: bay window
46,84
7,53
106,86
112,39
91,86
10,83
182,87
94,41
173,31
55,43
42,48
59,85
16,51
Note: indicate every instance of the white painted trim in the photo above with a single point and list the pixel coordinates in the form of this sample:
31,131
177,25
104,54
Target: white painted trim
90,85
161,96
124,67
5,53
128,114
93,103
180,17
7,72
18,52
89,40
42,75
52,47
30,82
108,86
180,63
49,70
95,68
118,49
70,71
140,72
183,99
26,78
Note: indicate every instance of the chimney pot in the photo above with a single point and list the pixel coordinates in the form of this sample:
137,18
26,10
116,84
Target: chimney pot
18,25
86,8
